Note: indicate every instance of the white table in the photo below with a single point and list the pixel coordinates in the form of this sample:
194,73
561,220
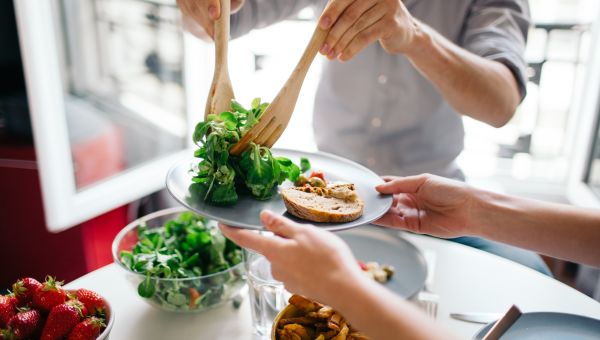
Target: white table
467,280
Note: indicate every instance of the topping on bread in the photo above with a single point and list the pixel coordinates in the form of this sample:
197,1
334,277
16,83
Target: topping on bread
334,203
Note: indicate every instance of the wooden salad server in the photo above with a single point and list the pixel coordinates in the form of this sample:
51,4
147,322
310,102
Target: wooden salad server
274,120
221,91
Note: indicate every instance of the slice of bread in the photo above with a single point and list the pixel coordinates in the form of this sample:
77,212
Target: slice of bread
336,203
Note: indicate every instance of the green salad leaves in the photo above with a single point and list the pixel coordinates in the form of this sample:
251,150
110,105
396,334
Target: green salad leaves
220,176
185,247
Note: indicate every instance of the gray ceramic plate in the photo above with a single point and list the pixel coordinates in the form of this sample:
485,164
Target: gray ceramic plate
370,243
550,326
245,214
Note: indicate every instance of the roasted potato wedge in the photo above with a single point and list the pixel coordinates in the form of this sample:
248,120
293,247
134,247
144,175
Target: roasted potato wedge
304,304
304,319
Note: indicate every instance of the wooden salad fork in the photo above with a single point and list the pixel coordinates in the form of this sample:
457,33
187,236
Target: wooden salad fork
274,120
221,91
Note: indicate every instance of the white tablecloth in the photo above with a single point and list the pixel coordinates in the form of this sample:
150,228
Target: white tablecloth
467,280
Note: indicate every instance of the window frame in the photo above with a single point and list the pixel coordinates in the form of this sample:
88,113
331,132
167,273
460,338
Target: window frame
64,205
579,192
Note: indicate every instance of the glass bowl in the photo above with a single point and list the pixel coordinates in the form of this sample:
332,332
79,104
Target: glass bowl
192,294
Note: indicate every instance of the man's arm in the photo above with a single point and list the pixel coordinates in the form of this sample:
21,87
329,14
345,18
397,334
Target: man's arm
484,80
486,77
480,88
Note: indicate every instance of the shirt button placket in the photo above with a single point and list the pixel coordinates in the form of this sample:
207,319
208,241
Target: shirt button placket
377,109
376,121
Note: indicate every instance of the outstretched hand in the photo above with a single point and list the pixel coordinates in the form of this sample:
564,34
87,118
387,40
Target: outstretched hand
428,204
308,260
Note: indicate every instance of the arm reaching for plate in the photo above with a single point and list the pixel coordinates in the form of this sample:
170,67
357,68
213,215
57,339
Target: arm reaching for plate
316,263
428,204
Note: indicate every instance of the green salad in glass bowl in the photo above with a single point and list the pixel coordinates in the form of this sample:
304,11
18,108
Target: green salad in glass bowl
180,261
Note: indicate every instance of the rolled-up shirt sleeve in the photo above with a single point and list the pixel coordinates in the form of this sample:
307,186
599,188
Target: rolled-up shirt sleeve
261,13
497,30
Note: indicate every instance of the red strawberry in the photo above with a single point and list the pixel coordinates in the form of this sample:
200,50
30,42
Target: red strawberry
87,329
24,324
92,301
62,319
25,288
49,294
8,308
79,305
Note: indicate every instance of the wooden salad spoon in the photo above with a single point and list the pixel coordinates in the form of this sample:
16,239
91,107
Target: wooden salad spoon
274,120
221,91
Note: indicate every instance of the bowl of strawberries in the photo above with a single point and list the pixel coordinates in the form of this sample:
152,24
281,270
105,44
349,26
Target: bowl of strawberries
47,311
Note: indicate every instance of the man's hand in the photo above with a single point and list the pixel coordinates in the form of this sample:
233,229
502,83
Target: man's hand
199,15
308,260
428,204
355,24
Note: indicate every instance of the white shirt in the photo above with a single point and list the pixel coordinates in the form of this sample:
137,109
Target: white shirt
377,109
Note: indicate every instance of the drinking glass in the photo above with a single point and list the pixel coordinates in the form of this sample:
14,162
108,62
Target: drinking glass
267,295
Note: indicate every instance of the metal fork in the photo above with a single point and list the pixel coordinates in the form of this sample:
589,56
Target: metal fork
427,300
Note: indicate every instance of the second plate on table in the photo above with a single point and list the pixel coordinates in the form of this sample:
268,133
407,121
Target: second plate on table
549,326
245,213
371,243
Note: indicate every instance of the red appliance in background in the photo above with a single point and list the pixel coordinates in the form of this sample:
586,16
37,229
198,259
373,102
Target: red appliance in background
26,247
96,157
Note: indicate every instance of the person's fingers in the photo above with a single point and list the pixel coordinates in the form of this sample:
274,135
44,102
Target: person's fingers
393,218
250,239
332,12
279,271
395,200
182,4
214,9
349,17
369,17
190,25
236,5
409,184
278,224
187,8
389,178
200,13
361,40
405,201
402,217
